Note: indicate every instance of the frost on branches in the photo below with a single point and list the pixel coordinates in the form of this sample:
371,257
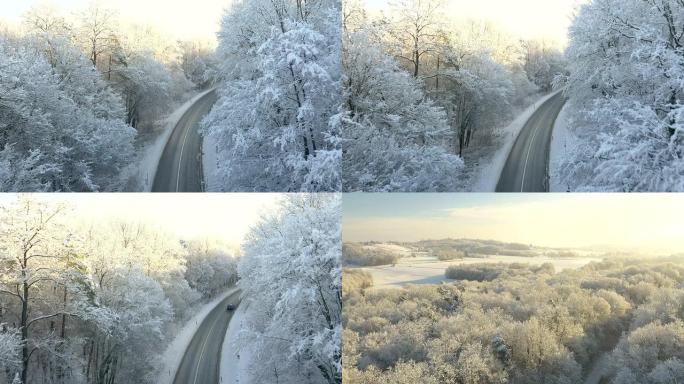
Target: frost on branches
61,127
626,91
92,304
394,136
274,120
290,276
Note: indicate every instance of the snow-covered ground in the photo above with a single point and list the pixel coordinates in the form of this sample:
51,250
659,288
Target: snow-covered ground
429,270
152,152
561,143
210,164
173,355
234,362
487,175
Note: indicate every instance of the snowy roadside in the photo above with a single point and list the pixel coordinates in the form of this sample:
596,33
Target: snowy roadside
210,164
170,360
561,142
153,151
234,361
488,172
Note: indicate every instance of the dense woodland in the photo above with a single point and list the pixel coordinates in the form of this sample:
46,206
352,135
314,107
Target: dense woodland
424,94
625,87
520,324
291,278
276,122
77,90
95,303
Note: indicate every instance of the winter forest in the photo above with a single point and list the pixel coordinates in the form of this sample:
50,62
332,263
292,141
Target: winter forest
428,94
618,321
83,95
119,301
324,95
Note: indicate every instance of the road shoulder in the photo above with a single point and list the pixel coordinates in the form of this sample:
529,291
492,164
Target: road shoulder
234,360
561,144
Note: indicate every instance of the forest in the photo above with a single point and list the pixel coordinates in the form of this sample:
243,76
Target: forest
618,321
291,278
96,302
426,95
277,120
83,94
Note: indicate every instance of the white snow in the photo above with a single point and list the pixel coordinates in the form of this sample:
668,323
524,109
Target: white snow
234,359
561,142
487,176
210,164
173,355
153,152
429,270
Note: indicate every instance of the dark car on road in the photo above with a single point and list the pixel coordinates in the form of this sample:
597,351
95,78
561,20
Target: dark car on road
231,307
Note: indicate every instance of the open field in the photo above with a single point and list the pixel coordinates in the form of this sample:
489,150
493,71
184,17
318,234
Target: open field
429,270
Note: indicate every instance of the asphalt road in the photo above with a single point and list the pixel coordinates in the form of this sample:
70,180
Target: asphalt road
180,166
201,362
526,169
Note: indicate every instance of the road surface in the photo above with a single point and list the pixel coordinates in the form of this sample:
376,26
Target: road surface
201,362
527,166
180,166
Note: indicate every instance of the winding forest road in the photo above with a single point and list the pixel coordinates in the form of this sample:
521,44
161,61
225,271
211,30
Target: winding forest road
527,166
180,166
202,359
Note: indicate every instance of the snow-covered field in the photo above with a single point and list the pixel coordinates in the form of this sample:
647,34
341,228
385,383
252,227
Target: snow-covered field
173,355
153,151
488,172
234,362
561,142
429,270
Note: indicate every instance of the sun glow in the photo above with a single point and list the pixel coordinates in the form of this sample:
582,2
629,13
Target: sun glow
186,20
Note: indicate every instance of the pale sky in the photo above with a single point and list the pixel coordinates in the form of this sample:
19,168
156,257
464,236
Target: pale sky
196,19
528,19
626,221
222,216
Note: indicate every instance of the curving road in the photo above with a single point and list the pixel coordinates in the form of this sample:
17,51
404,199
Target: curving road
527,166
180,166
202,360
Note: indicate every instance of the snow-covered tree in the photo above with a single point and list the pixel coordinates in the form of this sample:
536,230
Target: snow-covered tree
274,120
61,125
290,277
625,88
394,137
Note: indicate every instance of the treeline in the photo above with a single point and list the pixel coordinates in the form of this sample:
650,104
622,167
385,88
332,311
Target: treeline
367,255
447,249
77,92
521,325
423,93
94,303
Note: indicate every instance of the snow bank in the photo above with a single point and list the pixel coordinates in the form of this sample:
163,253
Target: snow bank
560,146
487,176
153,152
234,362
210,164
173,355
